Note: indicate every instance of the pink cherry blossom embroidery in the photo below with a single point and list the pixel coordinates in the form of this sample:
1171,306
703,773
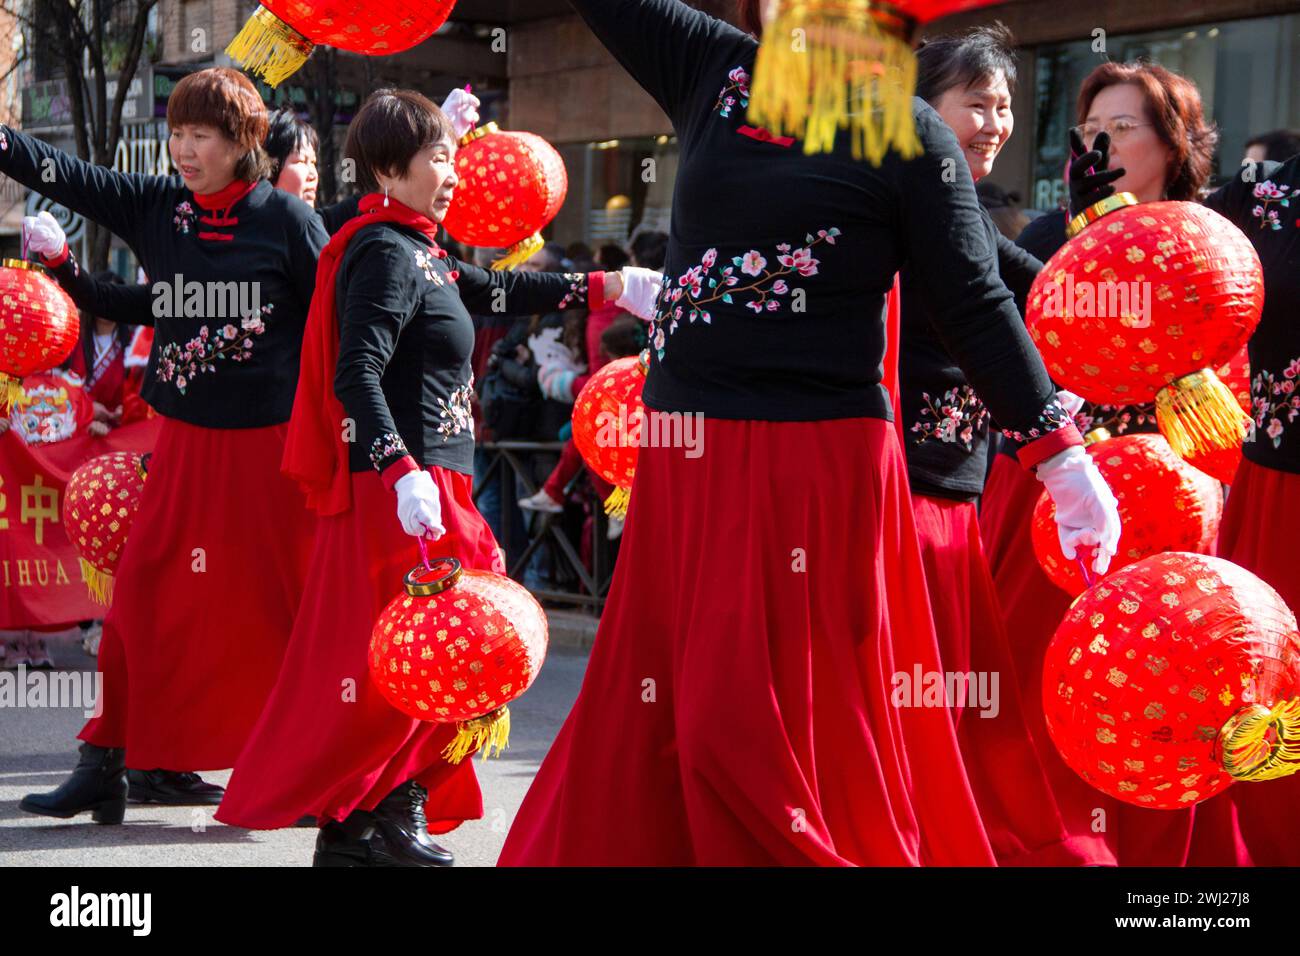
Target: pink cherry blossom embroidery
955,417
1274,401
736,89
1271,193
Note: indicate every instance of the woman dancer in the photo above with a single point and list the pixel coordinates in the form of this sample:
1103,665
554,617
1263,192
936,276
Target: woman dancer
388,348
748,699
207,589
969,80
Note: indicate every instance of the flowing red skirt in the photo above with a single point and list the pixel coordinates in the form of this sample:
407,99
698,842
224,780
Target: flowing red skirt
1257,823
1010,785
204,598
736,708
327,742
1032,608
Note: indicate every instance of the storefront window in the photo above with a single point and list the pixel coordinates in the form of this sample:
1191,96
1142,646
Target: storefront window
1248,72
615,188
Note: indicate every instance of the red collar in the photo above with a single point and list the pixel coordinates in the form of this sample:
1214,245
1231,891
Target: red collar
236,190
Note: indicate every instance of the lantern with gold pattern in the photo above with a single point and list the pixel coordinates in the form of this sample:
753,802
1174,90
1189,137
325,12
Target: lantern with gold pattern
456,647
99,506
608,420
511,187
39,325
1173,678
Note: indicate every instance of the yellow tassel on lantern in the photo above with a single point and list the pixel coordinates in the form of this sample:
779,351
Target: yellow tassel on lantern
617,502
98,583
825,65
11,390
520,252
1199,415
1261,743
488,733
270,48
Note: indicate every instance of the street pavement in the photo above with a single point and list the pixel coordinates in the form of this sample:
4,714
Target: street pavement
38,749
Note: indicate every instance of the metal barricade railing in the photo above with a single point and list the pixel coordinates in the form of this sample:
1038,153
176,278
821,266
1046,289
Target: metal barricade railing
508,462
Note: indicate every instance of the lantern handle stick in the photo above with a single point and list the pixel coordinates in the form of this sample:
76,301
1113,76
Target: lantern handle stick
1088,578
424,553
26,235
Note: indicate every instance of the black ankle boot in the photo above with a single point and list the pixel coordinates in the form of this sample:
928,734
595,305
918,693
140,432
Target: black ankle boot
98,784
395,834
173,788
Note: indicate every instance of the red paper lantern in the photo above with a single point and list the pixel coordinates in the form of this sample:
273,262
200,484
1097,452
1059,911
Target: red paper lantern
456,647
39,325
99,506
1164,505
855,69
1173,678
1222,463
277,40
608,419
511,187
1142,305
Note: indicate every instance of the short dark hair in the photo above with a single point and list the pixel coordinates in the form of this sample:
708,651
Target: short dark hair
389,129
611,257
749,16
1279,145
284,135
945,62
650,249
225,99
624,336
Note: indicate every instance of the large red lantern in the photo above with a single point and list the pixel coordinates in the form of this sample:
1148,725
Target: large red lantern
1143,304
456,647
511,187
853,68
99,506
1222,463
1173,678
39,325
277,40
1164,505
608,425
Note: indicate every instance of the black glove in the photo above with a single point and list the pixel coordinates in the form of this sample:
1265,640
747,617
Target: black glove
1090,180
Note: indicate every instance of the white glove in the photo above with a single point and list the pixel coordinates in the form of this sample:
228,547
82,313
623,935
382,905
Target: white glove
640,291
44,235
461,108
418,506
1071,402
1086,511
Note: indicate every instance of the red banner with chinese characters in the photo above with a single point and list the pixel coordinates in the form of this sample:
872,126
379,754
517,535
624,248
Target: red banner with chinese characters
40,576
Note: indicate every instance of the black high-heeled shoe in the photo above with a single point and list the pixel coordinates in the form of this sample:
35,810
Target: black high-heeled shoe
98,785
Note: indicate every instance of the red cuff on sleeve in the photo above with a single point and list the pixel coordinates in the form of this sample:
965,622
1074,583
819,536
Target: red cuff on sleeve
55,261
1041,449
398,469
595,290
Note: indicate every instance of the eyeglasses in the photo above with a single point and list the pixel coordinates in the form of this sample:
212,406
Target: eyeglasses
1118,129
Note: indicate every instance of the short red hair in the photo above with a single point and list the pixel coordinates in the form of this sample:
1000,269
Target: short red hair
749,13
1174,105
223,98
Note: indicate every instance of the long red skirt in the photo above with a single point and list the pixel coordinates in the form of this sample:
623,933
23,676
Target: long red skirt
736,708
327,742
204,598
1011,787
1257,823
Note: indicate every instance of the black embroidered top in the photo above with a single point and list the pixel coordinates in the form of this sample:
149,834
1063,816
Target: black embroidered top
1264,201
231,284
406,338
945,425
778,263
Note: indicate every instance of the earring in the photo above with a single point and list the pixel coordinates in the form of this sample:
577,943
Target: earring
385,197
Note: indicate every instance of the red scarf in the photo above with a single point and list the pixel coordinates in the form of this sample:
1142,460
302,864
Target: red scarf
315,454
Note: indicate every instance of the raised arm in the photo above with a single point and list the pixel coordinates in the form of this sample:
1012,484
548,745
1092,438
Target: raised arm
117,201
974,311
664,44
377,304
486,292
124,304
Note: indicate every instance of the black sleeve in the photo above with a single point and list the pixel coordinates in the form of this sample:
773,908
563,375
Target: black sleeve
664,44
378,301
124,304
118,201
333,217
1044,235
306,240
489,292
522,375
954,261
1017,268
1235,200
